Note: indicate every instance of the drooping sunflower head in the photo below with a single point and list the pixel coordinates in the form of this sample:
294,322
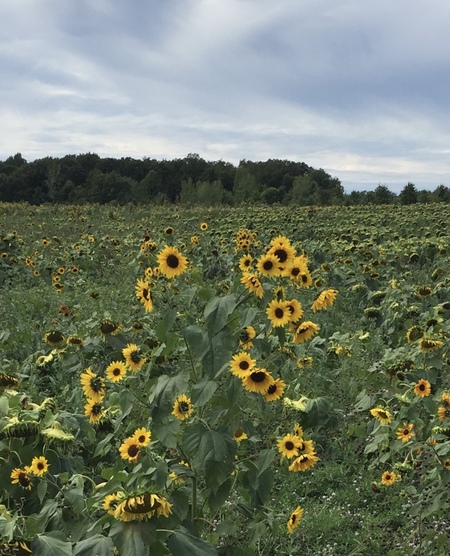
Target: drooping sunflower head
142,507
304,462
294,519
74,341
21,477
182,407
8,381
324,299
108,327
382,415
143,294
252,284
305,331
413,334
171,262
427,344
54,338
111,501
246,336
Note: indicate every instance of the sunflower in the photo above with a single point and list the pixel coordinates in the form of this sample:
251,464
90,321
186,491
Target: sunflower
305,331
203,226
252,283
108,327
8,381
93,410
294,519
275,390
169,231
304,462
295,309
295,268
258,381
182,407
194,240
54,338
242,364
388,478
111,501
405,433
171,262
281,247
289,445
21,477
142,436
245,262
324,299
129,449
304,362
93,385
269,265
137,327
447,464
427,344
422,388
240,435
382,415
39,466
424,291
413,334
278,313
142,507
298,430
443,412
445,398
246,336
143,294
74,341
116,371
133,357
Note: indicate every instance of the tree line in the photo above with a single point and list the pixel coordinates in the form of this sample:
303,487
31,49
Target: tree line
88,178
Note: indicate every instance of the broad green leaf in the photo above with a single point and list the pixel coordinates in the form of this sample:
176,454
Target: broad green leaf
217,355
217,499
217,312
202,392
166,432
133,538
266,457
54,543
168,388
182,543
94,546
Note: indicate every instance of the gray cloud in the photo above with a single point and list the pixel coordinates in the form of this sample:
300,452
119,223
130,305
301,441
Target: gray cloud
358,89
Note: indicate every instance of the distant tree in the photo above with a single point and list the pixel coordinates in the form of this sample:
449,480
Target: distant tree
53,179
271,195
148,188
188,193
210,193
304,191
424,196
383,196
246,188
441,194
408,195
329,190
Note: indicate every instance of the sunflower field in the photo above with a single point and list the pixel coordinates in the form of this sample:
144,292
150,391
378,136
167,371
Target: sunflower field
226,381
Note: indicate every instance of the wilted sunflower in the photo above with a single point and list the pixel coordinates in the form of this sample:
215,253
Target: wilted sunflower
108,327
56,432
413,334
324,299
21,477
294,519
74,341
142,507
245,262
142,436
54,338
427,344
246,336
305,331
278,313
8,381
130,449
240,435
422,388
253,284
116,371
93,410
133,357
242,364
304,362
388,478
93,385
288,445
443,412
445,399
304,462
171,262
424,291
39,466
143,294
258,381
182,407
298,430
405,433
382,415
269,265
275,390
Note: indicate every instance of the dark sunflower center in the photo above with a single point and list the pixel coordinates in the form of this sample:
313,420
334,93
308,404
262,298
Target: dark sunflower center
405,432
295,271
244,365
184,407
382,415
116,371
24,480
421,387
247,262
279,313
96,384
96,409
173,261
146,294
133,450
135,357
281,254
272,389
40,466
289,445
141,439
388,477
268,265
293,519
258,376
304,278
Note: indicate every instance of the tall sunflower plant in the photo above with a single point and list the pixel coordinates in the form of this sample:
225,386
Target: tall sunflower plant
143,437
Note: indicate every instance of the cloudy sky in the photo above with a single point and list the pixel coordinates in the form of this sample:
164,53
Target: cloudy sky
358,88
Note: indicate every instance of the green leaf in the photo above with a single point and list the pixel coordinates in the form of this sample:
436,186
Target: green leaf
217,499
133,538
202,392
54,543
94,546
192,437
42,490
217,354
180,504
168,388
266,457
217,311
166,432
182,543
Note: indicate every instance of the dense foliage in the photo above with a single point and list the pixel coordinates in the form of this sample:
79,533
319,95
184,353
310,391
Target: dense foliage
224,381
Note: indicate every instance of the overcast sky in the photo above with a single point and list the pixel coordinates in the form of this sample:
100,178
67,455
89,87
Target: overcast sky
358,88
